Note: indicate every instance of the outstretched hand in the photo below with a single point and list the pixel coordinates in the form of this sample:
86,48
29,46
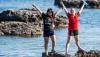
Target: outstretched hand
61,3
84,2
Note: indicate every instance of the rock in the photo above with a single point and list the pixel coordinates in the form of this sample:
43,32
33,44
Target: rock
50,54
28,28
1,33
91,53
20,15
77,3
25,22
20,28
60,21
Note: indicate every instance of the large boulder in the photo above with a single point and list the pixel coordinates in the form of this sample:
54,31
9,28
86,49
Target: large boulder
20,15
20,28
1,33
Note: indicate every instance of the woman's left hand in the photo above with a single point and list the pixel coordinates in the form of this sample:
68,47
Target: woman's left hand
53,26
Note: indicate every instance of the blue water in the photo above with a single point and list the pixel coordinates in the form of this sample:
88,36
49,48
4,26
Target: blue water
17,4
89,32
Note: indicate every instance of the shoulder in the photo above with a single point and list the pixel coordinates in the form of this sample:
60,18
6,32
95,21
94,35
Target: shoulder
68,14
78,13
44,15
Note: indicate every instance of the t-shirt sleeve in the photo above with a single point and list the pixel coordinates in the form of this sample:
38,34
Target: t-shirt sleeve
43,15
78,14
68,14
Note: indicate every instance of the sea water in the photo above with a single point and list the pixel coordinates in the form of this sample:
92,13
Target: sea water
14,46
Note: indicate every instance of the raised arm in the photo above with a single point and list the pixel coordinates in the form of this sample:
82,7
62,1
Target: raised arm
82,8
40,11
84,3
58,11
64,7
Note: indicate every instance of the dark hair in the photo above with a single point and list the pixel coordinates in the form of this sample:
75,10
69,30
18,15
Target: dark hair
50,9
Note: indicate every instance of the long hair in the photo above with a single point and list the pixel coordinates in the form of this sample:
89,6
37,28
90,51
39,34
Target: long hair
50,9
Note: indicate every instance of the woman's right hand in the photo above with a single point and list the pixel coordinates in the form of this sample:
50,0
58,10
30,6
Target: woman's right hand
61,3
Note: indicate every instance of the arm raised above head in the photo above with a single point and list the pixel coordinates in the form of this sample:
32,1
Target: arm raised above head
58,11
40,11
64,7
81,8
84,3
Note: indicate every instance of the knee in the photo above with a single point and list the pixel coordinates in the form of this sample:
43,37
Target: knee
53,40
68,40
46,41
77,40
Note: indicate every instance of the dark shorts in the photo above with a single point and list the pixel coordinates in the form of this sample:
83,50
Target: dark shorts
48,33
72,32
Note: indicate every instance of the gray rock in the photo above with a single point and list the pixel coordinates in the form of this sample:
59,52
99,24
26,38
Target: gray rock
19,28
1,33
91,53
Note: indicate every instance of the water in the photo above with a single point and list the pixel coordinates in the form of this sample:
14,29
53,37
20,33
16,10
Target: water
17,4
89,28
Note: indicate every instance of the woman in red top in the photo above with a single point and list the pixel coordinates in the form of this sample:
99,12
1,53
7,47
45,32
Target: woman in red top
73,17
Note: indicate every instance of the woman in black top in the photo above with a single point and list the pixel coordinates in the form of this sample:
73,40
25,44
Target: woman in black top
48,31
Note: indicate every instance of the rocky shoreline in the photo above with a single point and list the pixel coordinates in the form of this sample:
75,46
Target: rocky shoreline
20,28
91,53
25,22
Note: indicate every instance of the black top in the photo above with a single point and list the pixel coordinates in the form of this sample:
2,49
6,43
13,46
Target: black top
47,22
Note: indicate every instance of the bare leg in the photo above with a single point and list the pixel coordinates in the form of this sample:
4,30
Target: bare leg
46,40
67,44
77,42
53,39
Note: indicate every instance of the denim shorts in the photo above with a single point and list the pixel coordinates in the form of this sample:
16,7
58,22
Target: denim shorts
48,33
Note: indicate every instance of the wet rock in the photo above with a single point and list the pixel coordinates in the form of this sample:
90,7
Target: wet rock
19,28
1,33
91,53
56,54
60,21
19,15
